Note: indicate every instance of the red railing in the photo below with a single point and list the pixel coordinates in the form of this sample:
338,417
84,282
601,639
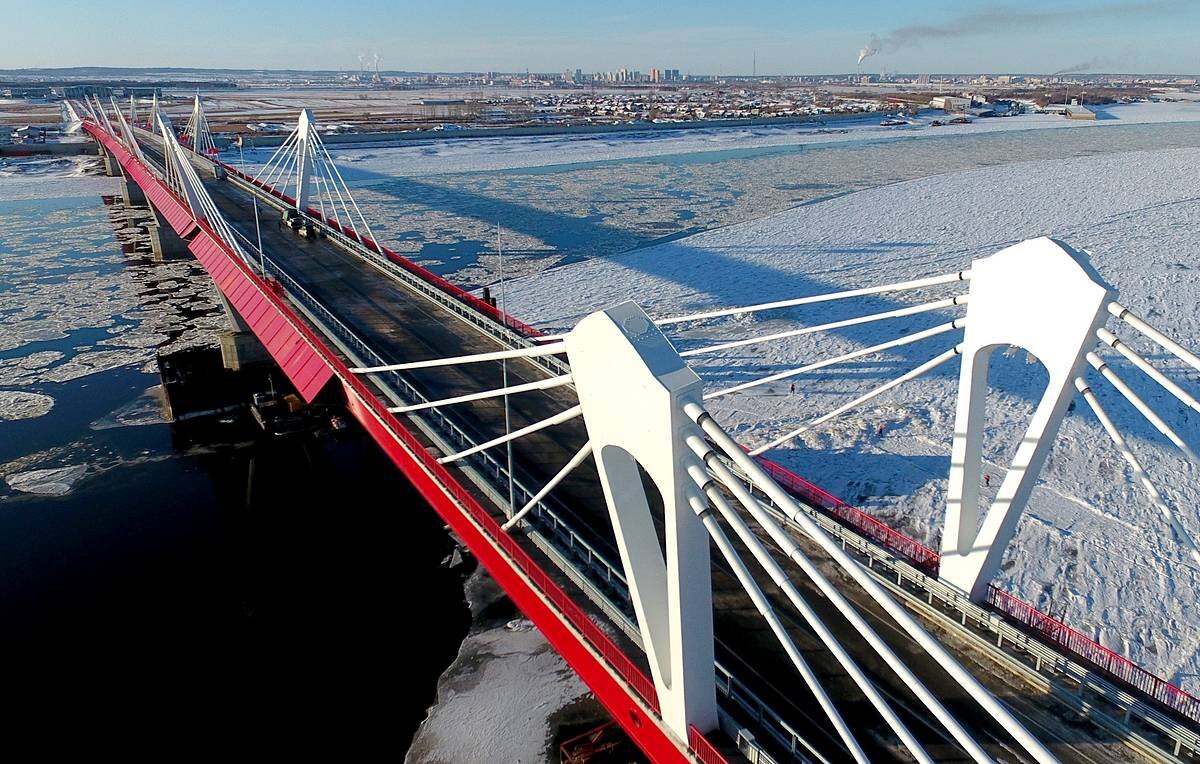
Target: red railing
1052,630
703,749
889,538
424,274
1093,652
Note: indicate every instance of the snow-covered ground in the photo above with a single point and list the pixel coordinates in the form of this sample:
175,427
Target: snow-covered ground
499,700
1091,547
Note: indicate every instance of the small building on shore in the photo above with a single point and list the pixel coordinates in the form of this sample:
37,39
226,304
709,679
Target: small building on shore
950,103
1072,110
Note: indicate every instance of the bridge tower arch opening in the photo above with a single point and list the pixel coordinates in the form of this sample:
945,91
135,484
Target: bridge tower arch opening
632,386
1043,296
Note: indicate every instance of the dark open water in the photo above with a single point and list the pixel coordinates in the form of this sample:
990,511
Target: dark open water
232,586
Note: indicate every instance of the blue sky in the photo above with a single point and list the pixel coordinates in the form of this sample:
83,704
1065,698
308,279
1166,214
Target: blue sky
702,36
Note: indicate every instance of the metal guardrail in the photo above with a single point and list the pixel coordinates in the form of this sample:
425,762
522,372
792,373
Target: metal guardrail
1057,632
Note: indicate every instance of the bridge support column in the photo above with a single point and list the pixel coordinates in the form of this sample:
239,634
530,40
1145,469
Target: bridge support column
112,168
132,193
632,386
239,345
165,244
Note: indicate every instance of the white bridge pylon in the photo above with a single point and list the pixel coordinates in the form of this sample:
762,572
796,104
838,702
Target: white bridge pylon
196,131
632,386
1042,296
302,168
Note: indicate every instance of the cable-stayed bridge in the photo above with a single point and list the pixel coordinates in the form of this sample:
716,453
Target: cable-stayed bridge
720,607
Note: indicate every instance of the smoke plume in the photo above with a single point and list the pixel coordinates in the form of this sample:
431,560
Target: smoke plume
1082,66
989,21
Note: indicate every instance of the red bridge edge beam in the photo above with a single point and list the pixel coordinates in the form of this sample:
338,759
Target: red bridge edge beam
617,683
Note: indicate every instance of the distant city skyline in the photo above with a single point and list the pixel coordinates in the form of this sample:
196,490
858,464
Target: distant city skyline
701,36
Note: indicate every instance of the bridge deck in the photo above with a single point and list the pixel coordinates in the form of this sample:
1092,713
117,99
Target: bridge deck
402,326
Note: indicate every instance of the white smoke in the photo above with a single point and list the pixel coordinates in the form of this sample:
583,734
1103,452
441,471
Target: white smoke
993,19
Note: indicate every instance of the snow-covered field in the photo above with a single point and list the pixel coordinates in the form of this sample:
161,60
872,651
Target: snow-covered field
1091,547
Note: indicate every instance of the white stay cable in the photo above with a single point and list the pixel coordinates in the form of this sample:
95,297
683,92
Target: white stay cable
700,507
559,418
910,311
338,173
541,384
1110,339
282,147
1107,371
811,617
498,355
924,368
1180,352
897,287
580,456
907,339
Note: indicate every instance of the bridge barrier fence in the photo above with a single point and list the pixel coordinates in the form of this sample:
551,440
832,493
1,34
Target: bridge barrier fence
917,554
703,749
1098,655
889,538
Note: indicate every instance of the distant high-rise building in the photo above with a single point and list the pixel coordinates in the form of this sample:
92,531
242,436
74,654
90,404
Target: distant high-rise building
655,75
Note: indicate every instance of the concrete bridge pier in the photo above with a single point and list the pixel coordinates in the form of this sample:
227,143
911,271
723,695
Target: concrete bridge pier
165,244
239,346
132,193
112,168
